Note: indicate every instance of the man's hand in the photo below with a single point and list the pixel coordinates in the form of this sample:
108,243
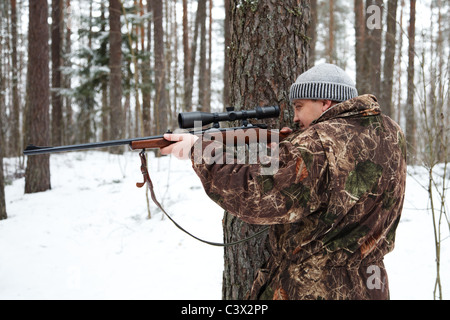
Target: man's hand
181,149
285,131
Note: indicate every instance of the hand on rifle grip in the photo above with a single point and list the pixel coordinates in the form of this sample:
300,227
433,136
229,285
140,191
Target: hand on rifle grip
283,133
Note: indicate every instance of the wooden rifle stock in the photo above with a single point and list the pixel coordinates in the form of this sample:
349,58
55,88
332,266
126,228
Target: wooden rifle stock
154,143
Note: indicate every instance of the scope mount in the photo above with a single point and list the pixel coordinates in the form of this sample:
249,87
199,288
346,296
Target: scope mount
244,119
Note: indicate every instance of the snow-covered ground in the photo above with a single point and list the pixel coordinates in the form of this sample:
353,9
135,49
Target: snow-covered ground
89,237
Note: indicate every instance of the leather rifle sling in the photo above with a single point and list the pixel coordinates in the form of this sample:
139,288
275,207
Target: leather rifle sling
149,183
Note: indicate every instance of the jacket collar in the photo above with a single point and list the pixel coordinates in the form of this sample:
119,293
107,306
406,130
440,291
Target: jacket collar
362,106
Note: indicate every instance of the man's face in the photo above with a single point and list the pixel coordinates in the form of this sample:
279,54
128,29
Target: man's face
306,111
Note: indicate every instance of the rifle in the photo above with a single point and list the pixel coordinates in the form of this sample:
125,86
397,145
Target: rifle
186,120
189,120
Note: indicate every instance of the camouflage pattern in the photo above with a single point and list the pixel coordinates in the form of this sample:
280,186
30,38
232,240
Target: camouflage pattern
333,205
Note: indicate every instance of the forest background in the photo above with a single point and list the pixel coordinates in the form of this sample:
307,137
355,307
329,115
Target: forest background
122,69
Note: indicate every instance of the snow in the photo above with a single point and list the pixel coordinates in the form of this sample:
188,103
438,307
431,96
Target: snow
89,236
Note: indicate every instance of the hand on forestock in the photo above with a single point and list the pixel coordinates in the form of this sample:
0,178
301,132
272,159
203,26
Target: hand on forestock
182,146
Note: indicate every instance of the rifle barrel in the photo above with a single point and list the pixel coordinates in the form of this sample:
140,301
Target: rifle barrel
34,150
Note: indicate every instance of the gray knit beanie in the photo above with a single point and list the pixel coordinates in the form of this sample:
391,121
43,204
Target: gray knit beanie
325,81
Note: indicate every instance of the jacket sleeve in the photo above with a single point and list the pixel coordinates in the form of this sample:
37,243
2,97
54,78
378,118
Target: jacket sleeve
282,190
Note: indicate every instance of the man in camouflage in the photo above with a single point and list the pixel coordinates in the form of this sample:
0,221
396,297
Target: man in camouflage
333,204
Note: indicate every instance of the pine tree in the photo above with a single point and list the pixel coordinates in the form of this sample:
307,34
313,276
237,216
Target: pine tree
16,136
389,58
115,80
410,131
37,174
265,60
3,214
160,106
57,112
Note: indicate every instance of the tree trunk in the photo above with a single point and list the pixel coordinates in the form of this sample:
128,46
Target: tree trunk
104,80
115,79
202,62
226,65
389,58
3,214
161,110
68,132
193,53
331,29
15,140
146,80
57,115
375,53
268,50
400,110
410,131
370,69
312,34
360,27
187,60
209,66
37,174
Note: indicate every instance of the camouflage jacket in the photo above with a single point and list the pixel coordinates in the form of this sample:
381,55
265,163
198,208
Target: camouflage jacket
333,204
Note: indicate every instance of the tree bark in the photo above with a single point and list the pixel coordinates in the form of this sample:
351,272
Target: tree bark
389,58
193,54
268,50
312,34
104,80
37,174
202,62
57,114
360,35
187,60
68,132
410,131
3,214
226,66
375,54
161,110
146,85
331,30
115,79
15,140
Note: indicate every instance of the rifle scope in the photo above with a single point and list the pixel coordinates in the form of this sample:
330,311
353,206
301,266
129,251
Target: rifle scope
186,119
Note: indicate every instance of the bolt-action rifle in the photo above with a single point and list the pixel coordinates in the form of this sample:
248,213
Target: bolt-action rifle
246,134
186,120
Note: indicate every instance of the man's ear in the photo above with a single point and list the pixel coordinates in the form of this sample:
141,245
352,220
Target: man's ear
326,104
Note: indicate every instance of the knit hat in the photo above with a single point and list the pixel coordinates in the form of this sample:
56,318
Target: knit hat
325,81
